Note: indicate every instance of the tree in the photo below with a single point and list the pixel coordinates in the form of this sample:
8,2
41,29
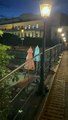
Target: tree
4,60
11,39
5,93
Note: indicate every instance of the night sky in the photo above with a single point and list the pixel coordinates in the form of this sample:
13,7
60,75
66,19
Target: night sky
13,8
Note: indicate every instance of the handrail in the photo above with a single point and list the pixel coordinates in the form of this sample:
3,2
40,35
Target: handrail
12,72
22,65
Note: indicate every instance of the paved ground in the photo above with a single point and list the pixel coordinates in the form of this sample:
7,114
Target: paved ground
65,71
57,106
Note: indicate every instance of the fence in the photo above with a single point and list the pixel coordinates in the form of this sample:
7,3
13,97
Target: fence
21,83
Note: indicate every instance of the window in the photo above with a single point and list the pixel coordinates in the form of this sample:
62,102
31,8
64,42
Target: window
29,26
33,26
22,27
22,34
37,26
34,34
41,34
37,34
18,33
30,34
25,27
12,27
27,34
18,27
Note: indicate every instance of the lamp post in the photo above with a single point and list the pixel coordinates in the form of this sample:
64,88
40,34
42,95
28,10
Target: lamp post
64,42
22,31
45,9
59,31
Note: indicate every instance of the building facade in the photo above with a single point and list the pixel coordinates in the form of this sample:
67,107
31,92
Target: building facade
34,29
22,29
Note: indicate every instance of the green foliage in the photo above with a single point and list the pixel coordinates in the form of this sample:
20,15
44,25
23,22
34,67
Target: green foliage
5,93
1,32
15,77
4,100
4,60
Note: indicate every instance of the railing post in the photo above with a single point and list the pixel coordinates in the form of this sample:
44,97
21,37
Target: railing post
41,84
50,60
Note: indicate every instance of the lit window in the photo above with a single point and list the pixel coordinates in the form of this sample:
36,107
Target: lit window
18,28
30,34
27,34
34,34
33,26
25,27
37,26
29,26
18,34
22,34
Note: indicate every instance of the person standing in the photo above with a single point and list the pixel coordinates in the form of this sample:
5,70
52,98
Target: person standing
29,65
37,58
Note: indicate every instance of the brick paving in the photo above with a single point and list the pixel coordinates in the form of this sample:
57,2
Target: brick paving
56,107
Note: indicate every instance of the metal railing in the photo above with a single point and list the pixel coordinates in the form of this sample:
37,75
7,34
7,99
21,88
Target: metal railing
28,80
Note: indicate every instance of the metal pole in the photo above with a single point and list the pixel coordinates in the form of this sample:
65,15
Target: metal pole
41,84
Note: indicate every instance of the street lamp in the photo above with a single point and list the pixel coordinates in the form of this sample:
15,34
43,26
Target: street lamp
22,31
45,9
64,40
62,34
59,30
